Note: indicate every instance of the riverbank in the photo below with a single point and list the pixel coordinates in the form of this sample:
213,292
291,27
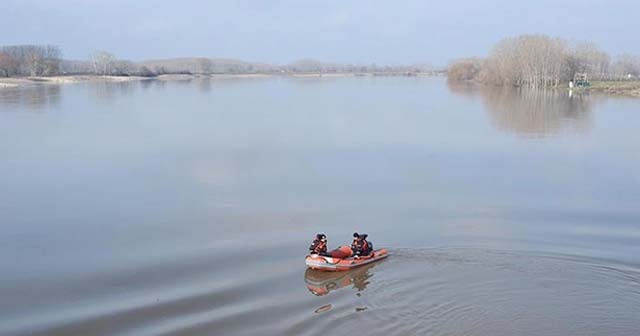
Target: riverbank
612,88
617,88
27,81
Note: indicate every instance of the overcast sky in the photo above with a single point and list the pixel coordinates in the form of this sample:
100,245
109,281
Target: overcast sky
281,31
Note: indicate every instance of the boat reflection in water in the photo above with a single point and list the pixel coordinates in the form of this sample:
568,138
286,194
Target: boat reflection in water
322,283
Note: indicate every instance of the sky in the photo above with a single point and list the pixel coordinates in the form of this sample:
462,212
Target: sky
282,31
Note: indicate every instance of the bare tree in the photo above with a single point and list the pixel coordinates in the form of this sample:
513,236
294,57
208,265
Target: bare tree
52,57
627,67
146,72
33,60
102,63
536,61
529,60
588,58
205,66
76,67
123,68
8,65
463,70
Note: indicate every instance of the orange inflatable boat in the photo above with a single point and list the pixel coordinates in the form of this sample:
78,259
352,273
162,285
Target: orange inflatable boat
340,259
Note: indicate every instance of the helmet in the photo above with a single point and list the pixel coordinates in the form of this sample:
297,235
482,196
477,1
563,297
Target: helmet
321,236
356,235
364,236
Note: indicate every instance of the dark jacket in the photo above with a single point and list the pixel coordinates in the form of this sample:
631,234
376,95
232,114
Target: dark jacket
361,247
318,247
355,245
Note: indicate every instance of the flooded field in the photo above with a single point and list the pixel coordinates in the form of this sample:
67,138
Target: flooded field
186,208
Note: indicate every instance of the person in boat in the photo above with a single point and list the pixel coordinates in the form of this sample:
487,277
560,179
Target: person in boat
361,246
354,242
319,245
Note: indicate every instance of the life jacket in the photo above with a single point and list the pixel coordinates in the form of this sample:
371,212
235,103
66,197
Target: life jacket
322,246
354,245
366,248
360,247
318,247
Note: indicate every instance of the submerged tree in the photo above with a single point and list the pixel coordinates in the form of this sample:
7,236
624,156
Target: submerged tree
529,60
462,70
541,61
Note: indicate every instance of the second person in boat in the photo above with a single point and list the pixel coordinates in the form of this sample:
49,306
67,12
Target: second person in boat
360,246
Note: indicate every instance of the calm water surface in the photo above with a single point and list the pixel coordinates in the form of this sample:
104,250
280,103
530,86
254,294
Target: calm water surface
185,208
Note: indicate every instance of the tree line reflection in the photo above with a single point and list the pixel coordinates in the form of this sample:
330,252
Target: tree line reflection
42,96
531,112
33,98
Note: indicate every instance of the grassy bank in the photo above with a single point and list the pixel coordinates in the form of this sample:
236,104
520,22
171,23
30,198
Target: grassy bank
619,88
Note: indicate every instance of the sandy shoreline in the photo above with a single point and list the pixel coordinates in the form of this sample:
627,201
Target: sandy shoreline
13,82
613,88
27,81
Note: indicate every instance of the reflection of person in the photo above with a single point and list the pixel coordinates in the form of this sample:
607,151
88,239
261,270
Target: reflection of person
319,245
359,280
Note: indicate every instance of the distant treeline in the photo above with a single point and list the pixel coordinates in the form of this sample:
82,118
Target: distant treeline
35,60
542,61
105,63
29,60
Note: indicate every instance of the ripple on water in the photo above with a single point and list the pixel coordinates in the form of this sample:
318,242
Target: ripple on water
464,291
449,291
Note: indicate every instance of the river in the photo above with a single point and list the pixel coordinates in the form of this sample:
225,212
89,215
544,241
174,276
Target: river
186,208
